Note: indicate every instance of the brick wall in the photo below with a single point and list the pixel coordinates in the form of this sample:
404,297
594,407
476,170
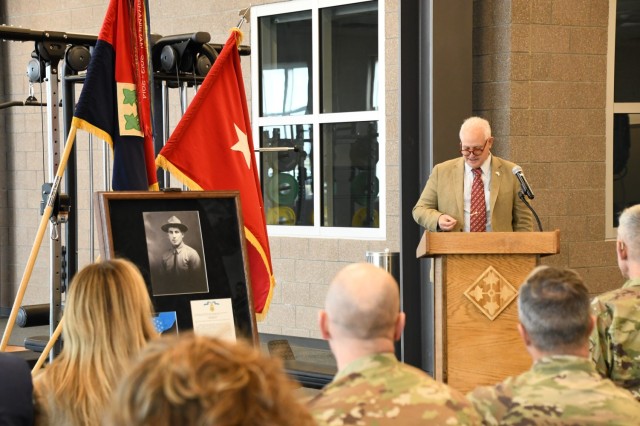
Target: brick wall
539,75
5,290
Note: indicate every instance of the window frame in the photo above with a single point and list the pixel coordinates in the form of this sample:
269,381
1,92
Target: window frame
611,109
317,119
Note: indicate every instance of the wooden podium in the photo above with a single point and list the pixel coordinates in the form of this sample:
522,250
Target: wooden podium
477,278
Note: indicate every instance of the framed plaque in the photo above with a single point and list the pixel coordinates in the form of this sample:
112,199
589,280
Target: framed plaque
190,249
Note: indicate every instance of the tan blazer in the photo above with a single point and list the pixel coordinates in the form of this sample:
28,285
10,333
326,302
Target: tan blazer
444,190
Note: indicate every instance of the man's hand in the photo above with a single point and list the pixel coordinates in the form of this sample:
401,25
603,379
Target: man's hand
446,222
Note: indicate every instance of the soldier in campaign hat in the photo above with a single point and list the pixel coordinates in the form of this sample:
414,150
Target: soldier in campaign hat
180,262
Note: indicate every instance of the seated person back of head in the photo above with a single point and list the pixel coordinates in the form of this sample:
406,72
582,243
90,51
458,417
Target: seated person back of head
107,321
615,341
361,321
16,392
562,386
198,380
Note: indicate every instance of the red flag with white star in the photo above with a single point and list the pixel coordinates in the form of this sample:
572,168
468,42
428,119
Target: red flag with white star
212,149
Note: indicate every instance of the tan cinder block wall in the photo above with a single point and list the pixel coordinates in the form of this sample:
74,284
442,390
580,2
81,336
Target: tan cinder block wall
539,76
303,267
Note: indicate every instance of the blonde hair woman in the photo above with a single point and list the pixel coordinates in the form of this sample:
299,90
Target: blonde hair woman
197,380
107,322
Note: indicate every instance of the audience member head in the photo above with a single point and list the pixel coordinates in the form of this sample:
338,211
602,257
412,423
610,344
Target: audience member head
628,244
108,309
197,380
475,141
362,312
554,313
107,321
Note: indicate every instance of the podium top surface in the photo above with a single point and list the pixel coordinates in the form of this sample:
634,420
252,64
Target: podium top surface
442,243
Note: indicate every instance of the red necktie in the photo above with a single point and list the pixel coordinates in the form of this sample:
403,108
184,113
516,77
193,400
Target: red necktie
478,221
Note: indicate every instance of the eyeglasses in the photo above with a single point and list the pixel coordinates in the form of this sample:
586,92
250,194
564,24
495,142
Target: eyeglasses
476,150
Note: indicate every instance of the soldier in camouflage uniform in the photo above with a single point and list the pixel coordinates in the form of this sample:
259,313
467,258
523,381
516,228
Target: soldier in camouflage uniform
361,321
615,342
563,386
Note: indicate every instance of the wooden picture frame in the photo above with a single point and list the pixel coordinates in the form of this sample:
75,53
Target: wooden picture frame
138,226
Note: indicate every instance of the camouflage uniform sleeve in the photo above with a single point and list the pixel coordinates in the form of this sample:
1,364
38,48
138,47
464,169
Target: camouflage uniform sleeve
599,342
488,403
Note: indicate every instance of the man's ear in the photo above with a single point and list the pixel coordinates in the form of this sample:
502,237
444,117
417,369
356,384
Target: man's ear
323,323
524,335
621,249
399,327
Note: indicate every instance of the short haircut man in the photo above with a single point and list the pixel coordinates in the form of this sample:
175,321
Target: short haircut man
562,386
361,321
615,341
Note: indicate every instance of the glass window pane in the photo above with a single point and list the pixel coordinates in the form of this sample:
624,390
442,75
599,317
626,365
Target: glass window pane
627,59
349,52
626,157
285,64
350,171
286,174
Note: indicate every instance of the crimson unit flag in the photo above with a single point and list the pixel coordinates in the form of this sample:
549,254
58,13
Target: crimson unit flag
212,149
115,104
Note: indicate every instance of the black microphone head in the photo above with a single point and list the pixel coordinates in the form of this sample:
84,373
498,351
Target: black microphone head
526,189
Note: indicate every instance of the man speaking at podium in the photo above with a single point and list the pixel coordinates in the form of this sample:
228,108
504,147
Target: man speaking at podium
474,193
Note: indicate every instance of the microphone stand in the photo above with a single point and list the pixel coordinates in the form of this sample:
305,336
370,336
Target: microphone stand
526,203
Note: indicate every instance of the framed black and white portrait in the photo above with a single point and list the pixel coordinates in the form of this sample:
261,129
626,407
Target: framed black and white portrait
175,249
190,249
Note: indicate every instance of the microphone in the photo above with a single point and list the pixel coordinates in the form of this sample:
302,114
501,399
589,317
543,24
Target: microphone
526,189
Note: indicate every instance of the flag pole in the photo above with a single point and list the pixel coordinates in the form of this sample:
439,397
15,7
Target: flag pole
38,240
47,349
244,15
